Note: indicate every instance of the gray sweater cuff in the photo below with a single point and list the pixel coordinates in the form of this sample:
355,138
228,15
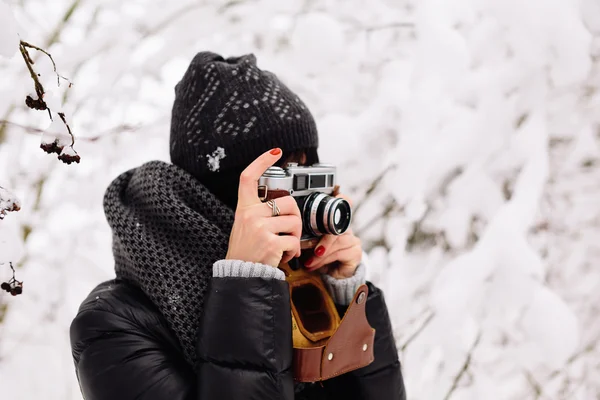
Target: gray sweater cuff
245,269
343,290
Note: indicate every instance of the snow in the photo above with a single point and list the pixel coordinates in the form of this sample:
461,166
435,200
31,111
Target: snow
480,116
53,102
68,151
9,39
56,132
8,202
214,159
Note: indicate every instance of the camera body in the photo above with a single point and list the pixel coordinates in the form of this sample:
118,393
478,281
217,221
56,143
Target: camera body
313,189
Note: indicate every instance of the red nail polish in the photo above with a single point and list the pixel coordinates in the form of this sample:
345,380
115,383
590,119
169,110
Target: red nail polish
276,151
309,261
319,251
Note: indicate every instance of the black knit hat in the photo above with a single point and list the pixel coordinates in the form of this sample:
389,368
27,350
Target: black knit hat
228,111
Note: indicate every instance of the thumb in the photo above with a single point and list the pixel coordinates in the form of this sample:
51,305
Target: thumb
248,189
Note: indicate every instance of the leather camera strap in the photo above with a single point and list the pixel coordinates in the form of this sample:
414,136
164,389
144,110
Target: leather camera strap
350,347
272,194
276,193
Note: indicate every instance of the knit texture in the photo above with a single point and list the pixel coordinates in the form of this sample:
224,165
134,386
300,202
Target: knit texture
229,111
168,231
245,269
343,290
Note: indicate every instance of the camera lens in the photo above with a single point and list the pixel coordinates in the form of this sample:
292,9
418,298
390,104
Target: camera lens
323,214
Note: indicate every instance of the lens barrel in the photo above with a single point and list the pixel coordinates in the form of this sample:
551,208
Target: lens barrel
323,214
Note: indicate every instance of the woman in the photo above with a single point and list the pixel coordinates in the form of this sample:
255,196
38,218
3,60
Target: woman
198,309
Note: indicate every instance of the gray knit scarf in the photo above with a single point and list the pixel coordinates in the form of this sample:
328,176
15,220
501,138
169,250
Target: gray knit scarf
168,230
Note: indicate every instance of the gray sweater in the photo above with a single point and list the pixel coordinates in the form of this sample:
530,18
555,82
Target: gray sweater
342,290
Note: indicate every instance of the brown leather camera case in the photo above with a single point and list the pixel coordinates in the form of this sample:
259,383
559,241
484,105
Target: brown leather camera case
335,346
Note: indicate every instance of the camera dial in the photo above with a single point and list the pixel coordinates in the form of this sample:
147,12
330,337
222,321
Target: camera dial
275,172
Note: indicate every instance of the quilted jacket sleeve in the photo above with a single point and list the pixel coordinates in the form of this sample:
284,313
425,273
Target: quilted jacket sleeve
245,341
120,351
123,350
382,379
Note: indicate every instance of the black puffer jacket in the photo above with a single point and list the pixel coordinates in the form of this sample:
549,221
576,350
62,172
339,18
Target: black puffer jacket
124,350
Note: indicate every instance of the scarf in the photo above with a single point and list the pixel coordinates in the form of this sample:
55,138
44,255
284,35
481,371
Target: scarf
168,230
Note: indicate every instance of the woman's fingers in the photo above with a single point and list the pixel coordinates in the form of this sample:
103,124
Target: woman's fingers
286,204
290,246
289,224
325,245
348,255
331,243
341,243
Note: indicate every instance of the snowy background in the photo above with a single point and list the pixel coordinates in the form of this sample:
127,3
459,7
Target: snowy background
467,132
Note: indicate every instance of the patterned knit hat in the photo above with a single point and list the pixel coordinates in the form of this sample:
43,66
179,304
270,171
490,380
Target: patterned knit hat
228,111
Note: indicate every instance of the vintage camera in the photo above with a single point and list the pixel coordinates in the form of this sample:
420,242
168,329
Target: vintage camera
315,318
313,189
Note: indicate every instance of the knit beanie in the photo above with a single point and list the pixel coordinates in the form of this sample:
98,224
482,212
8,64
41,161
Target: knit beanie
228,111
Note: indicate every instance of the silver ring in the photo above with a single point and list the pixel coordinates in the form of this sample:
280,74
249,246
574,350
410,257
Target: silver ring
273,206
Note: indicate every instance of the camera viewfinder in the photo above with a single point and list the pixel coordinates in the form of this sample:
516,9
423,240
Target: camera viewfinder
300,182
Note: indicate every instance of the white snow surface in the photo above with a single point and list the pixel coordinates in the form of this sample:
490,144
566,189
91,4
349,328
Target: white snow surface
8,201
9,39
56,132
467,134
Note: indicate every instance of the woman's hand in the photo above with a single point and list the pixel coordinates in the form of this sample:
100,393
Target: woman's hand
255,233
338,255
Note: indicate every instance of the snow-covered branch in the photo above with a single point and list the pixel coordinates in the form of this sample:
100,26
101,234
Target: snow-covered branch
50,144
464,368
8,202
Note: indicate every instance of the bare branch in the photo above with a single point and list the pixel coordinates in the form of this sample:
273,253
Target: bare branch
464,368
26,128
418,331
388,208
58,76
538,388
92,138
535,385
62,117
63,22
39,103
172,17
394,25
374,185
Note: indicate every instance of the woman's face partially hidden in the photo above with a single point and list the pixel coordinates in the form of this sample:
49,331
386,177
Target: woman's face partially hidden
299,158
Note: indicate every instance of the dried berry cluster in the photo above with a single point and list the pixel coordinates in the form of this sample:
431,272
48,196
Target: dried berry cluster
8,202
13,286
7,208
36,104
65,157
